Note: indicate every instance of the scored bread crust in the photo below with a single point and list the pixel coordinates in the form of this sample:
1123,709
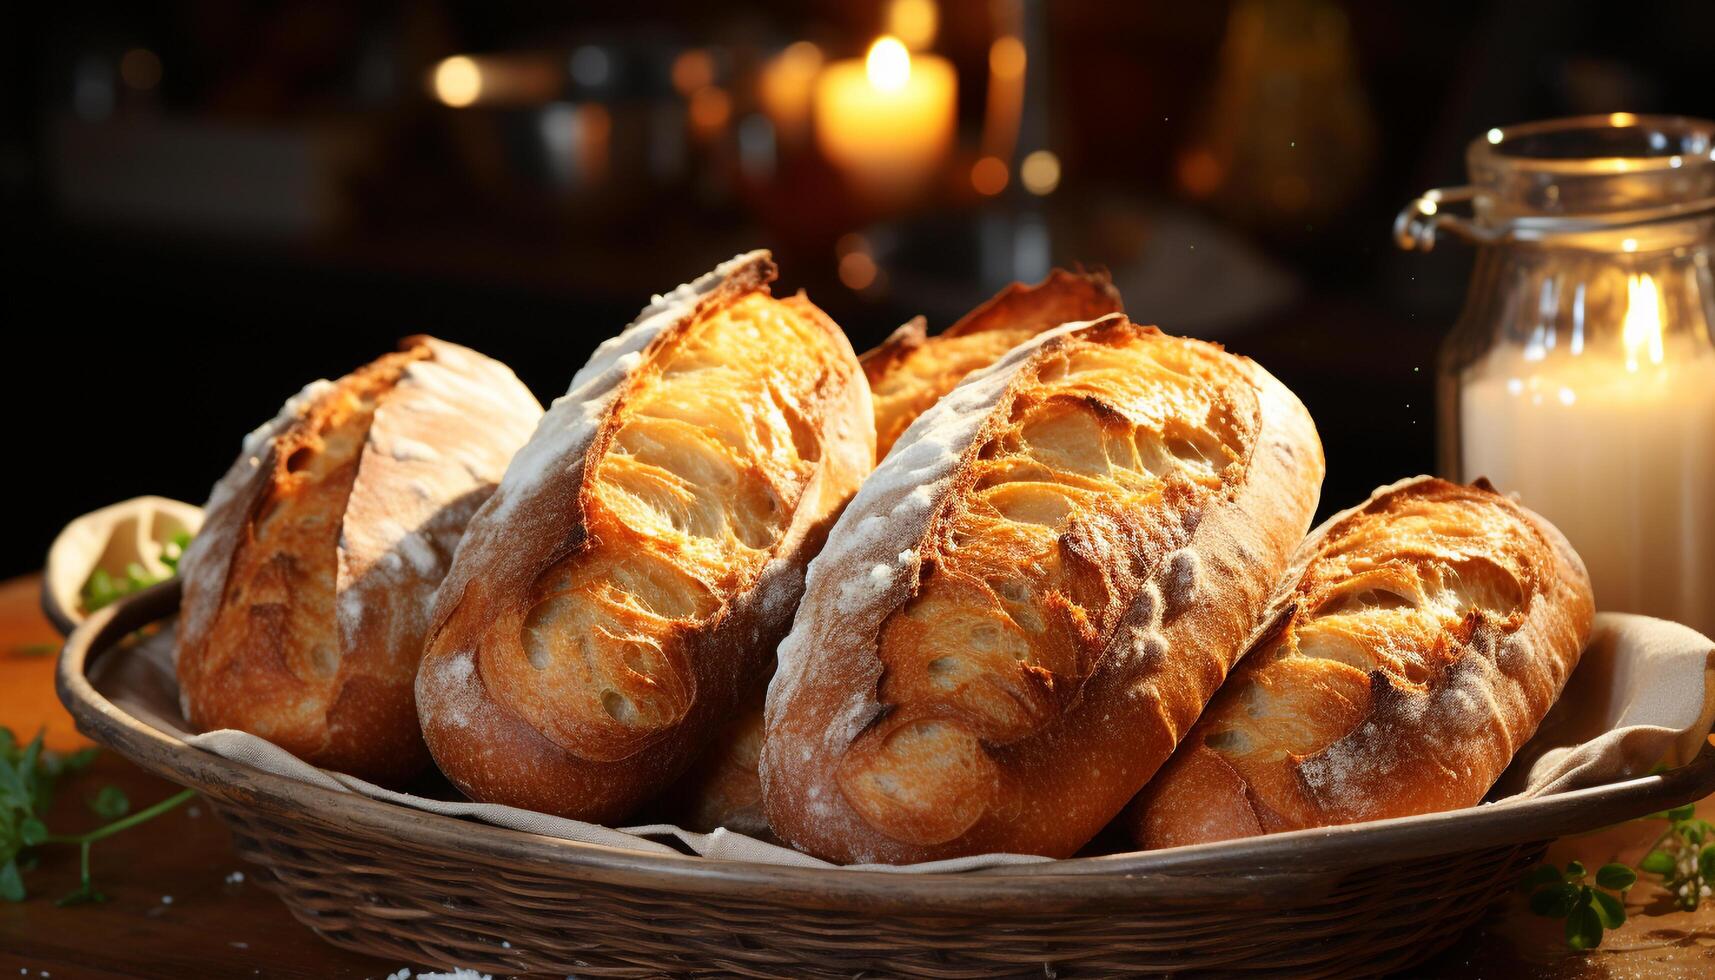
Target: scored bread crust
501,739
1421,637
910,370
1193,579
907,373
313,641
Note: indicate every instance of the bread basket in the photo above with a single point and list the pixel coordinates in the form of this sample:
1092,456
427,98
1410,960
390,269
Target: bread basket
413,886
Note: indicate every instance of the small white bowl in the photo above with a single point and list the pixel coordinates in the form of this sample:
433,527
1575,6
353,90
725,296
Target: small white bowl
112,538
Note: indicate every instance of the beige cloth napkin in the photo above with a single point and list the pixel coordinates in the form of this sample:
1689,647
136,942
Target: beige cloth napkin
1642,694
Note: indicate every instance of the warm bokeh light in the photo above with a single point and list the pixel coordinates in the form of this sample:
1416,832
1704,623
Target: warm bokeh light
140,68
458,81
857,270
711,107
914,22
989,176
784,88
1040,172
888,65
1006,57
692,71
1199,172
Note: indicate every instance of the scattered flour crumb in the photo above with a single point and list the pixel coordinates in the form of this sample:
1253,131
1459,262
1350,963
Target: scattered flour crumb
166,899
235,878
239,945
459,973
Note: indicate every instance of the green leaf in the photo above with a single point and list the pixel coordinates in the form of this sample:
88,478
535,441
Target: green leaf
1616,877
110,803
80,760
84,895
1610,910
1574,869
8,744
11,883
32,831
1682,812
1542,874
1657,863
1583,928
27,770
1554,901
1706,863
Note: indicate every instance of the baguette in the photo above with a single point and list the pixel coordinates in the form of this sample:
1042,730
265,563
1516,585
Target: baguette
1033,597
307,591
625,587
1423,636
910,371
907,373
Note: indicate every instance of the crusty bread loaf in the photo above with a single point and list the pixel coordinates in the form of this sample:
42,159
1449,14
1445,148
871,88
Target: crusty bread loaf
907,373
1421,638
1033,597
910,371
625,587
307,591
722,788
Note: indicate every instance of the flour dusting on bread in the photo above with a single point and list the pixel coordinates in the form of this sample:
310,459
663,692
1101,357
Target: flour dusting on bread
981,661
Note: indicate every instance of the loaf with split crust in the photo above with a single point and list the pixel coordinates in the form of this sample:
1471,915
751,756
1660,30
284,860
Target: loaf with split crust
626,585
1422,637
307,591
1032,598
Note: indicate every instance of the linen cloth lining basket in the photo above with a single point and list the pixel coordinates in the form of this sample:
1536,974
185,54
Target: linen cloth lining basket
419,887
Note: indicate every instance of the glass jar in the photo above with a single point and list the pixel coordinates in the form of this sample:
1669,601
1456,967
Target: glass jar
1581,374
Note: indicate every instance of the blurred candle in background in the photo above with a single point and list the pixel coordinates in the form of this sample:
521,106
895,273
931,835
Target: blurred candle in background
887,121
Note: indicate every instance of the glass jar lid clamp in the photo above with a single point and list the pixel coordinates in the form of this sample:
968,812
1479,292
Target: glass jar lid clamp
1571,177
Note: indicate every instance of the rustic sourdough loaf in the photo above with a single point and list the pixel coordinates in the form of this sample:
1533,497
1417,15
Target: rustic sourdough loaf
626,585
1033,597
907,373
307,592
1420,640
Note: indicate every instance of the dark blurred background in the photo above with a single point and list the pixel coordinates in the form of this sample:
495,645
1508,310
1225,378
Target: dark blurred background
206,204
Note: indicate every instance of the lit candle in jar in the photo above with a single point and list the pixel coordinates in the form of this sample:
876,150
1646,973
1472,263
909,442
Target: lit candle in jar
888,120
1616,448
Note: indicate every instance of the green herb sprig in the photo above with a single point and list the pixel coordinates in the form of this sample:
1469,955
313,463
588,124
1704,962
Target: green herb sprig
103,588
1588,907
29,776
1683,856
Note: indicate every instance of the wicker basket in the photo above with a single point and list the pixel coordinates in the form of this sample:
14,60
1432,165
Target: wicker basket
408,885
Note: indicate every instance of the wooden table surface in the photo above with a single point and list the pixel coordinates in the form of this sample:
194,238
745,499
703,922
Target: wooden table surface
178,908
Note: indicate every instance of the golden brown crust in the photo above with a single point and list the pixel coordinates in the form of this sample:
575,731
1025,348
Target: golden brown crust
1422,638
581,654
910,371
307,593
907,373
1033,597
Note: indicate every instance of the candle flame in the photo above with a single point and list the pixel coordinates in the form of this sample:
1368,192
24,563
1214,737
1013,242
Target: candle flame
1642,329
888,65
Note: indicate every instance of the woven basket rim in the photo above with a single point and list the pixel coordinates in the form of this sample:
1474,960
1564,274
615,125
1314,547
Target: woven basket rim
1272,862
